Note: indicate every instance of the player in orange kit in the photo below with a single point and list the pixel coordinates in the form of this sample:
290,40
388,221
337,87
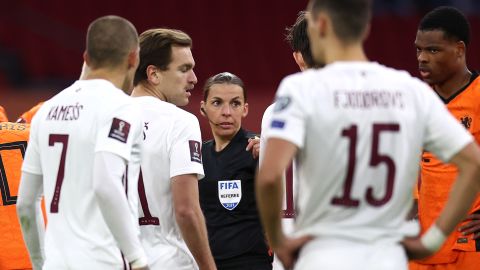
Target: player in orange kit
13,143
441,42
3,115
27,116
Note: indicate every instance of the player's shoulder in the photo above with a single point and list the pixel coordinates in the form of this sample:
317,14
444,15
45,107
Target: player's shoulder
10,132
303,77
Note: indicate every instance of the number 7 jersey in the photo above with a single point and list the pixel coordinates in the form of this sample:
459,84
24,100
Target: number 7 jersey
360,129
88,117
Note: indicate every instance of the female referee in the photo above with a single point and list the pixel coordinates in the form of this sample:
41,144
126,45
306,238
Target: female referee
227,195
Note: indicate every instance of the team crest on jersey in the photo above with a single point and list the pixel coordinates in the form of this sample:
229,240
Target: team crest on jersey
230,193
466,121
281,103
195,151
119,130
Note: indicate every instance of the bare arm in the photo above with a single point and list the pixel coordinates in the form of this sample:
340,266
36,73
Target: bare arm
190,219
30,216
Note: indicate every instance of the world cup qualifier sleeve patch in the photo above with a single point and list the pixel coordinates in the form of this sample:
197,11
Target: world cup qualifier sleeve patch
195,151
119,130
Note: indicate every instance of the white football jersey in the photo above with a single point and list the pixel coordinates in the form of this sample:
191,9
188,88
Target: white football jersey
89,116
172,146
360,128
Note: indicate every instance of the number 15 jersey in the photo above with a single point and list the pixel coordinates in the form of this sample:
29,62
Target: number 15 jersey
360,129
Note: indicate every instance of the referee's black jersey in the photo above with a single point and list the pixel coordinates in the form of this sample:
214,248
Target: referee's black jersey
227,198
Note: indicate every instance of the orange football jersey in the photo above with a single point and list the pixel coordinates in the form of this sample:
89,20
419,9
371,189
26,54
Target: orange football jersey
3,115
437,178
27,116
13,143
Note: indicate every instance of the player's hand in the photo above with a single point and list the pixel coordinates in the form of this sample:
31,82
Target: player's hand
472,227
139,264
141,268
288,252
415,249
254,146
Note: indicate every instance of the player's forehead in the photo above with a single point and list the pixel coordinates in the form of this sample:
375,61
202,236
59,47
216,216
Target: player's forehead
226,91
182,56
431,38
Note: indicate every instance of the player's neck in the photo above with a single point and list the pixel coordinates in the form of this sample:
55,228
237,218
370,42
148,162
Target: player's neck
117,78
222,141
456,82
341,52
145,89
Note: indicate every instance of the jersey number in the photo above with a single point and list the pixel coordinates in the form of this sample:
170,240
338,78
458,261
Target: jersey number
147,219
7,198
63,139
375,159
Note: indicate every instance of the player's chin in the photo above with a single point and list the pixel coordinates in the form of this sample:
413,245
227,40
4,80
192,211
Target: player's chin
225,131
182,101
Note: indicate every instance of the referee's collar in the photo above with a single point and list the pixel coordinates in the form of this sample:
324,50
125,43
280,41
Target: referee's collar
240,134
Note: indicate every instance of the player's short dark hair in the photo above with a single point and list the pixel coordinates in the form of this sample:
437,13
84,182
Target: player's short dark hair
451,21
156,49
297,38
109,40
350,18
223,78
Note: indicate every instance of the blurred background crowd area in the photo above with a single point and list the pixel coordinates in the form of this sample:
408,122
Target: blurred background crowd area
42,41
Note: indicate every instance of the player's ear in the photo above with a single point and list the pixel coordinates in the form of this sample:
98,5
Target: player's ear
245,110
298,57
322,23
202,108
133,59
152,74
461,49
86,59
366,32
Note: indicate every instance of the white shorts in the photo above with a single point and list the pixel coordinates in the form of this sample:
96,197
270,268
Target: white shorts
164,257
334,254
78,258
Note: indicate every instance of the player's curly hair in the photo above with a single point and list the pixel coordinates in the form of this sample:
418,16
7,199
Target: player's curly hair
450,21
297,38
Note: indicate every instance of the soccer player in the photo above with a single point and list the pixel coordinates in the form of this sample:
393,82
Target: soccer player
171,222
13,143
227,192
27,116
357,129
442,39
3,115
298,40
80,144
